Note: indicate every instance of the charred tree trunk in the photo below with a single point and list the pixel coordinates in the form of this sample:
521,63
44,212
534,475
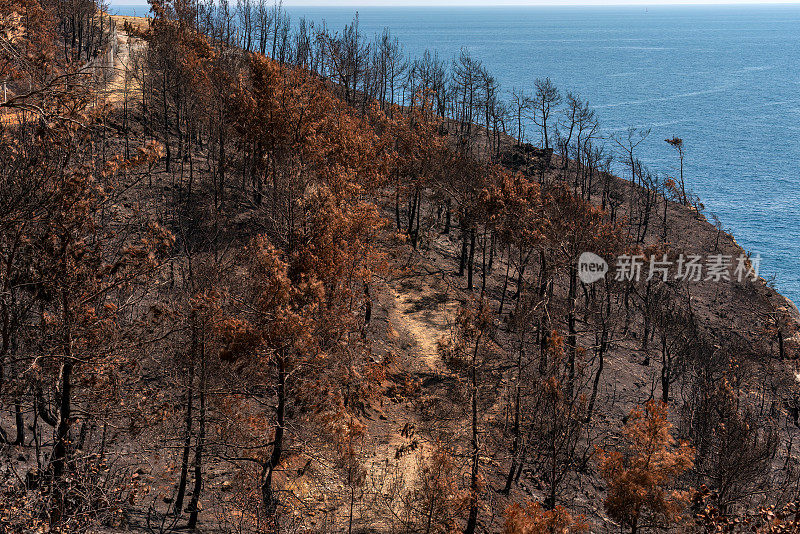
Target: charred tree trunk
187,445
267,494
59,457
572,333
471,265
194,504
472,520
517,423
20,423
462,264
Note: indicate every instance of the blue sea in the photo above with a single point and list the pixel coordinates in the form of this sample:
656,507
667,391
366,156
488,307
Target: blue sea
726,79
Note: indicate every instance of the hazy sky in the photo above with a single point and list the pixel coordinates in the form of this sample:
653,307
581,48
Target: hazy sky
485,3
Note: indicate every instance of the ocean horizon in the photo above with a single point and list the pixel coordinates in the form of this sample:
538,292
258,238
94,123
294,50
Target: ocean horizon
724,78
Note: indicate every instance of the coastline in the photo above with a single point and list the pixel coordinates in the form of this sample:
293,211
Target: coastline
781,304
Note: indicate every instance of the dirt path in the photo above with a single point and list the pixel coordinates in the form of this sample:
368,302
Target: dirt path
423,312
416,310
121,79
111,69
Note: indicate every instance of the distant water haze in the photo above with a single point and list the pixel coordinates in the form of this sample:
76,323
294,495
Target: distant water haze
726,79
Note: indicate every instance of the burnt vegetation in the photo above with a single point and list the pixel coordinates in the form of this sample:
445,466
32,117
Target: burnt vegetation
259,275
